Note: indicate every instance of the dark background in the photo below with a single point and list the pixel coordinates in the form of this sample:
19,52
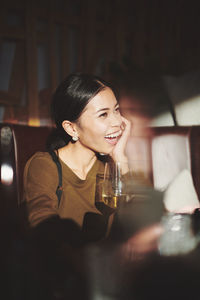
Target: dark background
131,43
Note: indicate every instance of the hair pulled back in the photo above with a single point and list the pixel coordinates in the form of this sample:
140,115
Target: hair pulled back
68,102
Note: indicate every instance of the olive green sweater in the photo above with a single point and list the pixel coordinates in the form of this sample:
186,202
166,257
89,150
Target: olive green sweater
40,184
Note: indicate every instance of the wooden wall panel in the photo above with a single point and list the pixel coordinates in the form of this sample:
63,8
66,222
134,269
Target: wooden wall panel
65,51
17,80
31,63
52,50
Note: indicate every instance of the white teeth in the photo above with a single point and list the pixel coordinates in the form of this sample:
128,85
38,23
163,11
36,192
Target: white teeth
114,135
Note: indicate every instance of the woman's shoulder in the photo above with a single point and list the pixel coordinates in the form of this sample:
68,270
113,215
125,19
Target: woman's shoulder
41,168
44,156
40,160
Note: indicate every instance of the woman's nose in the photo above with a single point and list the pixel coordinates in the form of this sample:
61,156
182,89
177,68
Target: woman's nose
116,120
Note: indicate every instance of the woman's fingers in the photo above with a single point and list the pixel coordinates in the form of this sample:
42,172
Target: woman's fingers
126,125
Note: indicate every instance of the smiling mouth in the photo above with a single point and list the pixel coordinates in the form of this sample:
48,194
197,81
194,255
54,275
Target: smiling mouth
113,137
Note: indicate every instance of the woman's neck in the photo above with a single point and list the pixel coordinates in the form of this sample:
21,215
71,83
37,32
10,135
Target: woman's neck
78,158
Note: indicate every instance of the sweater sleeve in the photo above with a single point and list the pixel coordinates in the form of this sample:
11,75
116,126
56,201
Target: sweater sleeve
40,184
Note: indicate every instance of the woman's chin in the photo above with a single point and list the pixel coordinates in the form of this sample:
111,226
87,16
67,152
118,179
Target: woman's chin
103,152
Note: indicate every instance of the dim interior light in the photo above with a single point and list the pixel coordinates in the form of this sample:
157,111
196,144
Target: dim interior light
6,174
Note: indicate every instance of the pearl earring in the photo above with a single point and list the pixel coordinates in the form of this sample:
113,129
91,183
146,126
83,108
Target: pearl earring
75,138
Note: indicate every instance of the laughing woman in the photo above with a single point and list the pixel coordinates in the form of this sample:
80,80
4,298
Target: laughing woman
88,124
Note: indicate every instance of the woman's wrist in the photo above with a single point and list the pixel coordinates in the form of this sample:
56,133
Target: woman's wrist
120,159
123,163
124,167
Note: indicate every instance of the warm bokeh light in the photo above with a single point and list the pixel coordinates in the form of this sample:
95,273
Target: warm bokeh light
34,122
6,174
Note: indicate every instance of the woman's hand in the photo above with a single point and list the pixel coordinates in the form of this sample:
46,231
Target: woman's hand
118,153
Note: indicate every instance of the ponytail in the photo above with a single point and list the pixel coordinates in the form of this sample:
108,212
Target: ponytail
57,138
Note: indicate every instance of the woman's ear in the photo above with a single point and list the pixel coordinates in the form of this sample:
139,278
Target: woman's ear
69,127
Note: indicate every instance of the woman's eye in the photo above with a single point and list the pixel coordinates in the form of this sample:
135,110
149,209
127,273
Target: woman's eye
117,109
104,115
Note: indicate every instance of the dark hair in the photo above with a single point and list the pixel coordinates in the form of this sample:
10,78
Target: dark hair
68,102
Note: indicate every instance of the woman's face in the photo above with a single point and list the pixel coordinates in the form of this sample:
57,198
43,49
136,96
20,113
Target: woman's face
99,126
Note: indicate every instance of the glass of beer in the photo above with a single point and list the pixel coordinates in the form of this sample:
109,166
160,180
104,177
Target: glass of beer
110,188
